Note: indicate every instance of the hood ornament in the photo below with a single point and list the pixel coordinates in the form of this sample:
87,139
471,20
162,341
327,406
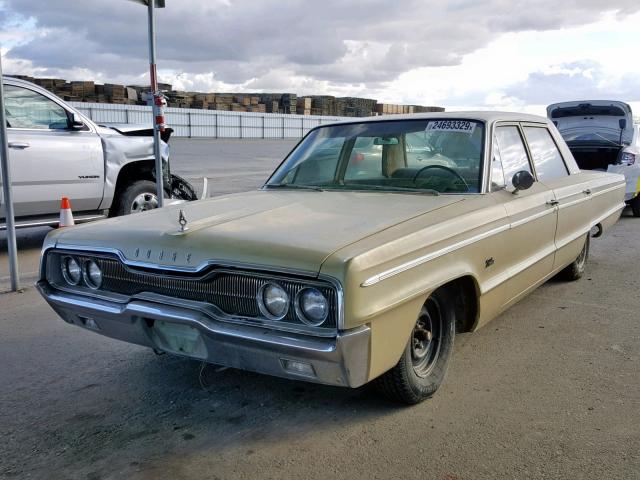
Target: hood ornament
182,220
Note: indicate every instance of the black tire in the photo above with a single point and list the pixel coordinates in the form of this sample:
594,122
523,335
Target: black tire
413,379
635,206
576,269
133,195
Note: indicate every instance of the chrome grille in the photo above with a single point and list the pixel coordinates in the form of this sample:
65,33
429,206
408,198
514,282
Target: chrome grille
233,292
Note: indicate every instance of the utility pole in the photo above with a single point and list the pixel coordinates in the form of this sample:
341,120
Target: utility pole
5,172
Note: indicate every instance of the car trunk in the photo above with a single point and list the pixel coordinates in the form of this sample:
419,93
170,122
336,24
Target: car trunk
595,130
594,157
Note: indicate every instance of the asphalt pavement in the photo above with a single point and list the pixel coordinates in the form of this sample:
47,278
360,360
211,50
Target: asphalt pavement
550,389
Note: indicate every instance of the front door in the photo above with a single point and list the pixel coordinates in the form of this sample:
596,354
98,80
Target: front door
532,216
48,159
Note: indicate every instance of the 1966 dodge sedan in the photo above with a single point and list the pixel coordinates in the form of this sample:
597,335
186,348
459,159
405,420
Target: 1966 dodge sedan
368,248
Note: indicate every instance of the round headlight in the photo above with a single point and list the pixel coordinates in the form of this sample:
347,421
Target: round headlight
71,270
312,306
92,274
273,301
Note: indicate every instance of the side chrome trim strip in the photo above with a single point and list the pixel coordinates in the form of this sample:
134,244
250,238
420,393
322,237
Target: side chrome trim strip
607,190
456,246
430,256
573,202
533,217
608,213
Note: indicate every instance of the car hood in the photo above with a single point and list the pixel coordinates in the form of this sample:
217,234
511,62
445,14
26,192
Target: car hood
285,229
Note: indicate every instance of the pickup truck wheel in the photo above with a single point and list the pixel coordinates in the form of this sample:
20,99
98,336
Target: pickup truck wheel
576,269
635,206
138,197
423,364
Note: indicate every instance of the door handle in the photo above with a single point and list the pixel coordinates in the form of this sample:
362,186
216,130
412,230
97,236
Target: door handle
19,145
553,202
587,191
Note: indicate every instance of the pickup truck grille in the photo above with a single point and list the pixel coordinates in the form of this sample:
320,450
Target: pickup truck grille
232,292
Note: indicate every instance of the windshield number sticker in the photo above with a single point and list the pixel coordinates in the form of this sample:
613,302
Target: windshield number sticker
451,126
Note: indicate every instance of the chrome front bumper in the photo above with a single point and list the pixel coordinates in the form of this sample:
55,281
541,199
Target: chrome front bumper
341,361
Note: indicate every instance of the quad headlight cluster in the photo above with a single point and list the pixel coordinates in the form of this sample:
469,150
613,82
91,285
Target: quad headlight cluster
75,272
309,304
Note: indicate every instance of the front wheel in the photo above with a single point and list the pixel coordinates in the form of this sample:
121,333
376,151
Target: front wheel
140,196
424,362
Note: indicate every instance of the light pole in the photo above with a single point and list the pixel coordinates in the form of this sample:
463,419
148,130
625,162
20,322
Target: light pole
5,173
158,99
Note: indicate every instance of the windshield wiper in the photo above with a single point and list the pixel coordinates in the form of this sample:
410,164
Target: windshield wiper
426,191
293,186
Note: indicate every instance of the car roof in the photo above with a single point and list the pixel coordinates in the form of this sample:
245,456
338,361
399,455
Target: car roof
488,116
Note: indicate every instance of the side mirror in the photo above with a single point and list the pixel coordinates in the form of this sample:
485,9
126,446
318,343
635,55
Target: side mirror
622,123
76,122
522,180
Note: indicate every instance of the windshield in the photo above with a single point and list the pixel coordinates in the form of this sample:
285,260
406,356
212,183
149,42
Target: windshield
426,155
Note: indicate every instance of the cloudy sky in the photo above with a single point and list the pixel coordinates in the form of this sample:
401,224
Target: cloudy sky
506,54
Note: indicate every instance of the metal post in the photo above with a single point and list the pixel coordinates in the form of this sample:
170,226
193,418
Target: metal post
156,108
6,187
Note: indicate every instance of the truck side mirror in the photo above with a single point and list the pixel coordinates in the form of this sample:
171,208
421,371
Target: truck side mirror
76,122
522,180
622,123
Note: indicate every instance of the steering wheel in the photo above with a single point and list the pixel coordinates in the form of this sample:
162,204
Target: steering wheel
446,169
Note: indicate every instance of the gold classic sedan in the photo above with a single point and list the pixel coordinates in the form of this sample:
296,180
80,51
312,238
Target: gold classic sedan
367,250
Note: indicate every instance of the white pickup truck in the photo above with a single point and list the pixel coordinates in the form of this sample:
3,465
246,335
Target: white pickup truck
602,136
55,151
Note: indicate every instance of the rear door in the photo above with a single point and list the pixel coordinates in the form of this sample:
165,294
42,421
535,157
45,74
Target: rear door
571,192
531,214
49,160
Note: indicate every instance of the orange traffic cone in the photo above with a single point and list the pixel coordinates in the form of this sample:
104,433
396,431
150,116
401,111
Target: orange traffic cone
66,217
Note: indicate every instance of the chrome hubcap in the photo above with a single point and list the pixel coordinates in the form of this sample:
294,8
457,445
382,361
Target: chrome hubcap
144,202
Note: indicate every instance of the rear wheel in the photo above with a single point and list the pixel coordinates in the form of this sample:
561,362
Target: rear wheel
635,206
423,364
140,196
576,269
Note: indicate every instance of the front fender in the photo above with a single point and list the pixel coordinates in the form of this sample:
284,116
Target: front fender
120,150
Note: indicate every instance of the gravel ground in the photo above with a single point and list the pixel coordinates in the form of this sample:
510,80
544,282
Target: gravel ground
550,389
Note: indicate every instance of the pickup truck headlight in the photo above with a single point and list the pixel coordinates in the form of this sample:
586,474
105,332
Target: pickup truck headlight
71,270
312,306
273,301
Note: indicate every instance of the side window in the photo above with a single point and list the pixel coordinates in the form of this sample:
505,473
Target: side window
28,109
497,172
512,152
546,156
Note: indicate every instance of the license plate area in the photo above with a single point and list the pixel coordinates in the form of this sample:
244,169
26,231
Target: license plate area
178,338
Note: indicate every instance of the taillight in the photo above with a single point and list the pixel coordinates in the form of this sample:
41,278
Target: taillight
628,158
